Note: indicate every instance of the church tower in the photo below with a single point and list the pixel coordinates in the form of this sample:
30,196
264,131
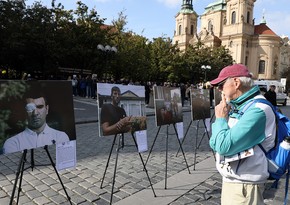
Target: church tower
231,23
185,24
239,17
239,28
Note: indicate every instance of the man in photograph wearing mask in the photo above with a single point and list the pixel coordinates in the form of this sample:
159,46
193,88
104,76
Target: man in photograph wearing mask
37,132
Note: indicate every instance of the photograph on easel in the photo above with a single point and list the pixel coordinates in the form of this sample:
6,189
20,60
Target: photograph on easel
200,104
217,96
35,114
121,108
168,106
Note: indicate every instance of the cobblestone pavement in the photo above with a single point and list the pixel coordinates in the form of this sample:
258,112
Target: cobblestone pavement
41,186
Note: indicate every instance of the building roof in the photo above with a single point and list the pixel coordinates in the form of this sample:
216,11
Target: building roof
216,6
263,29
187,8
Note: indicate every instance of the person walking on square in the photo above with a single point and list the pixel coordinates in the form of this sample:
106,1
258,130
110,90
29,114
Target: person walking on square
271,95
37,132
238,134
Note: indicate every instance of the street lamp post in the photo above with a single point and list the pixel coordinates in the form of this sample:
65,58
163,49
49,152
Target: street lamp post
205,68
107,50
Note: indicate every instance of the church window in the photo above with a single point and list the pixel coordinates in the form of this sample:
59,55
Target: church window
248,17
246,60
275,68
261,67
179,30
233,17
209,26
191,30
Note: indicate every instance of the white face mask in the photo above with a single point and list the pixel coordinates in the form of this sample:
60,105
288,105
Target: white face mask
30,107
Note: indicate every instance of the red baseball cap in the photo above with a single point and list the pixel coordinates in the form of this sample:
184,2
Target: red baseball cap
236,70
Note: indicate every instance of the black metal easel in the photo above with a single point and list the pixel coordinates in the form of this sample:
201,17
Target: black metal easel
197,127
196,139
21,168
121,145
166,159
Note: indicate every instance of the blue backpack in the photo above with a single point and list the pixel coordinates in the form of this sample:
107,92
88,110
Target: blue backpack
278,157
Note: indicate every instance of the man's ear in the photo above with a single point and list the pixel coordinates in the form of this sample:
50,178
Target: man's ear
237,82
47,108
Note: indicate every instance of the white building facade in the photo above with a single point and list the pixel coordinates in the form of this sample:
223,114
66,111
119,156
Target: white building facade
231,23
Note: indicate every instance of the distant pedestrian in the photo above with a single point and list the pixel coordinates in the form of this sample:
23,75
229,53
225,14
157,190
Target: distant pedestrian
75,85
271,95
182,93
147,92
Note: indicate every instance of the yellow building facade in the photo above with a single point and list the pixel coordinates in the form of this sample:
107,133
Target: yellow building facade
231,23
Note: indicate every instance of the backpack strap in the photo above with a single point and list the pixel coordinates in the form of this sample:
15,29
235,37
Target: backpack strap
261,100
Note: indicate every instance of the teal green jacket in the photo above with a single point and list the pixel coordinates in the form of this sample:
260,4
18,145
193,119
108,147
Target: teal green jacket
247,132
241,132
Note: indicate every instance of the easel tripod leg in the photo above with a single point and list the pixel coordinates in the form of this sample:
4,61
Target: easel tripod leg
180,146
196,146
20,180
53,165
152,145
115,169
144,167
19,171
166,157
184,136
208,137
108,161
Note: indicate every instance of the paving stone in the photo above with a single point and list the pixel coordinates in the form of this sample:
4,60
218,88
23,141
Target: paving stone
80,190
83,183
77,199
41,200
49,193
58,199
33,194
42,187
90,197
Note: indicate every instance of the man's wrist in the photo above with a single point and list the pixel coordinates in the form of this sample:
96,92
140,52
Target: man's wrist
118,126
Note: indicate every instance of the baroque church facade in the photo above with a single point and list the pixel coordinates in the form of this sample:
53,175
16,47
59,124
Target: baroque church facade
231,23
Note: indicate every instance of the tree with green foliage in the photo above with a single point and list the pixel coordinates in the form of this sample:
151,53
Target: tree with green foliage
39,40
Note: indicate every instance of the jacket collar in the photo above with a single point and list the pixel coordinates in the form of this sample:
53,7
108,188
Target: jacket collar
249,95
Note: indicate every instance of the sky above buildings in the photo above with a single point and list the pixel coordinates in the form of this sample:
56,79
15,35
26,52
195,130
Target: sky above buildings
156,18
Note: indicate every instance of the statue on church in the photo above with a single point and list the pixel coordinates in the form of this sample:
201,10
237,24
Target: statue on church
225,20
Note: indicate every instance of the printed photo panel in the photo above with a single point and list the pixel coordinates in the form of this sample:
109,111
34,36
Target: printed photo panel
34,114
168,107
200,104
121,108
217,96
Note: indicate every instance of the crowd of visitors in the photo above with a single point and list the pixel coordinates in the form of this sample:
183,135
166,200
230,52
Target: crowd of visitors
86,86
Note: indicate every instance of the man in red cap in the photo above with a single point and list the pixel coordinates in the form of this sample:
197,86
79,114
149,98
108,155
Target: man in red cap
235,136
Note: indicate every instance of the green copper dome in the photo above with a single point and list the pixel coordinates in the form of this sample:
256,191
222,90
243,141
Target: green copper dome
216,6
187,8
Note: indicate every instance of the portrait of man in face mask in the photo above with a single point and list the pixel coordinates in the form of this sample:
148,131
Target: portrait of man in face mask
37,132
